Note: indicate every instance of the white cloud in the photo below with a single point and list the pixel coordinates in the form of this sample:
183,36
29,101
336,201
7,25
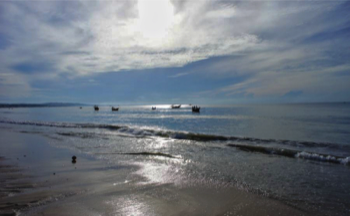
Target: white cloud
79,38
115,35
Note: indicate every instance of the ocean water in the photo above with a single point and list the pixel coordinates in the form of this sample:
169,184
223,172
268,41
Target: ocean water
298,154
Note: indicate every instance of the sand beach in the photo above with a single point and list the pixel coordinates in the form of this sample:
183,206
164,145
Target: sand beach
40,179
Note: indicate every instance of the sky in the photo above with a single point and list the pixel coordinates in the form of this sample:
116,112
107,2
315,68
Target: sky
174,51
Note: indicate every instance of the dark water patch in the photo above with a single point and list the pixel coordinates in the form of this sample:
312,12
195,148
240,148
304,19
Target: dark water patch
81,135
293,153
91,147
30,132
42,134
84,135
199,137
52,137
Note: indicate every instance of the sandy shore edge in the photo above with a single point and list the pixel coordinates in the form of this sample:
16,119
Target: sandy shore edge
52,185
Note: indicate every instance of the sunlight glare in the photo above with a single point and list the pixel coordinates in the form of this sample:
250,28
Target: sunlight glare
155,18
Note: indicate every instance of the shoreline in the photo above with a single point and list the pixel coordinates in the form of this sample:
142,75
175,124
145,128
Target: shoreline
93,186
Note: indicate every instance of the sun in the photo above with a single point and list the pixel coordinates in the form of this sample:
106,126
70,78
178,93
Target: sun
155,18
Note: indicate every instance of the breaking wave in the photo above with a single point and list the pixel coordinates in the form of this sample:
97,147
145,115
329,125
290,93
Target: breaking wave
145,132
293,153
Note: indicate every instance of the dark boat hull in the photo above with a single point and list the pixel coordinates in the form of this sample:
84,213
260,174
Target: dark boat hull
196,109
176,107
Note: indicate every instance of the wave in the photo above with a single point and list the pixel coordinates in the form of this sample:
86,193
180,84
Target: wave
63,124
294,153
144,132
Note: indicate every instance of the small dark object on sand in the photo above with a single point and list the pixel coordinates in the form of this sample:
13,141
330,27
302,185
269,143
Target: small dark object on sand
54,173
74,159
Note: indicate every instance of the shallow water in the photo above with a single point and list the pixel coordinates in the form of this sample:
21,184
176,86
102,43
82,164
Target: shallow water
198,146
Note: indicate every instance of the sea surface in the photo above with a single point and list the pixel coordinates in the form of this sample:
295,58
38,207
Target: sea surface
298,154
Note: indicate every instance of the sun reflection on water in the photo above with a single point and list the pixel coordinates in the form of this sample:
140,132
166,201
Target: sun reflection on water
171,170
129,206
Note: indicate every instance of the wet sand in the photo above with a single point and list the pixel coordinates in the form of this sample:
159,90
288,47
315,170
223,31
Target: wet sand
40,179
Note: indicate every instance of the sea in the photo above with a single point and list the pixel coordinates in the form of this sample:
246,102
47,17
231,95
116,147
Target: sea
298,154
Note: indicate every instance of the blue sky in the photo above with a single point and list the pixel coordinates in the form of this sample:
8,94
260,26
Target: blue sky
161,51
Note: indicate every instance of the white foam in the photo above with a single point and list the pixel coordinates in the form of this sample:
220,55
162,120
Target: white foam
345,160
329,158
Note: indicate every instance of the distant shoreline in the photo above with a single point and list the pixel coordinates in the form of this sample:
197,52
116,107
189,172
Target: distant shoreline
21,105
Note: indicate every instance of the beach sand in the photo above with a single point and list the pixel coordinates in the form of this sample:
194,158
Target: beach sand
40,179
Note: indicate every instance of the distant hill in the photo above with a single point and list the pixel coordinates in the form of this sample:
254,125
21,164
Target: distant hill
17,105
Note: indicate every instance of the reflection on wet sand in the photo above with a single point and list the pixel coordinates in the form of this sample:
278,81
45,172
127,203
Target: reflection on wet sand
151,186
129,205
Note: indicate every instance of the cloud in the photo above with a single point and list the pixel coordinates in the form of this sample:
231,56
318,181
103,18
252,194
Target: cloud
178,75
83,37
278,46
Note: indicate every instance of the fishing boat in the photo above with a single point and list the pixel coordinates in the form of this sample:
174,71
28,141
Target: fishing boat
175,106
196,109
115,108
154,108
96,108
